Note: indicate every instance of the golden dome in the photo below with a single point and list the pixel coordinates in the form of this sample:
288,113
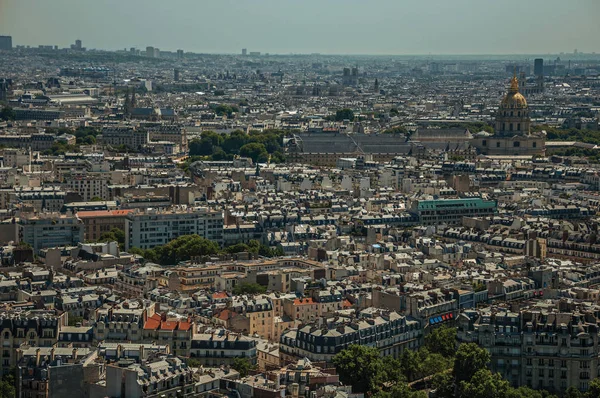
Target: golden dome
514,99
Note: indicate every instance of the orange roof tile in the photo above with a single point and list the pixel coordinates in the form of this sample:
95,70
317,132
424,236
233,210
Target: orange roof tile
184,326
219,295
224,315
151,324
168,325
305,301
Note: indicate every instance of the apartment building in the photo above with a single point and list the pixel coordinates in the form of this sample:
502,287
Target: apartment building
192,278
221,347
550,348
127,136
46,230
41,199
175,333
99,222
122,322
157,227
37,328
390,332
89,185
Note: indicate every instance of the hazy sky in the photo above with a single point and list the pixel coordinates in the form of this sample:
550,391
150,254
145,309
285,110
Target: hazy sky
306,26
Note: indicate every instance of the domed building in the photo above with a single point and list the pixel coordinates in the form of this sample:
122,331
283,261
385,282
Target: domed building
513,136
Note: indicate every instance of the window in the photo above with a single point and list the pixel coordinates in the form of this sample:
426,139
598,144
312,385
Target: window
484,143
534,144
516,144
498,144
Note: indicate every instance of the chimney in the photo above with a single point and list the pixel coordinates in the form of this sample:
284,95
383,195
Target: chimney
37,357
141,352
74,354
52,355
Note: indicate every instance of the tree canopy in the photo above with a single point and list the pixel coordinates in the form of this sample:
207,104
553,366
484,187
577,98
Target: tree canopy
7,113
181,249
470,358
442,341
249,288
344,114
242,365
257,145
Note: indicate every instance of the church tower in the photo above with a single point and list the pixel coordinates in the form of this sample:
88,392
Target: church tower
513,115
512,136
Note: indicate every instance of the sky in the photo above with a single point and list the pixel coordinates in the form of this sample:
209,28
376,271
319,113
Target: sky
390,27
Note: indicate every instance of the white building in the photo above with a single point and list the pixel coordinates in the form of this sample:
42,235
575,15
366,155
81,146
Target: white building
156,227
46,230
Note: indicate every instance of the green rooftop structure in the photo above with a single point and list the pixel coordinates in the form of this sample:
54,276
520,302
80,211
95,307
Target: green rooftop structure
451,211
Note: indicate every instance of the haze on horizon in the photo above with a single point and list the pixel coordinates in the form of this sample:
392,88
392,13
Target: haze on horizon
391,27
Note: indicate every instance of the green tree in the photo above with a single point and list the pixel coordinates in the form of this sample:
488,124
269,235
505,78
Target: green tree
435,363
249,288
344,114
7,113
443,384
573,392
400,390
411,364
485,384
442,340
8,383
256,151
469,359
182,249
594,389
399,130
391,371
114,235
234,141
358,366
526,392
193,362
242,365
237,248
74,320
7,389
227,110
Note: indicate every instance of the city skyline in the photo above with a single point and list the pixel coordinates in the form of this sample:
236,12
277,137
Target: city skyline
381,27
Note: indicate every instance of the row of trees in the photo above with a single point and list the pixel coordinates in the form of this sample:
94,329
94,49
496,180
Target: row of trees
572,134
188,246
451,372
258,145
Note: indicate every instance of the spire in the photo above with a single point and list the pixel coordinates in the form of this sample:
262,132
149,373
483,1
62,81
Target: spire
514,82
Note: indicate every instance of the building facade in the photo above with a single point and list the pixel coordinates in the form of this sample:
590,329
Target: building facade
540,348
512,136
153,228
46,230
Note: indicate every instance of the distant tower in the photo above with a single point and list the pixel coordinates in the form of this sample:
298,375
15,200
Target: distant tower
3,90
538,67
150,52
244,51
179,54
176,75
376,86
78,44
133,102
5,42
127,104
